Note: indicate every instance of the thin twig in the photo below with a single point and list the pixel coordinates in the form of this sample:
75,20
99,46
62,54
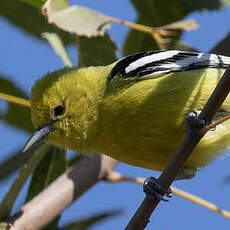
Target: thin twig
117,177
14,99
157,32
213,125
145,210
201,202
142,28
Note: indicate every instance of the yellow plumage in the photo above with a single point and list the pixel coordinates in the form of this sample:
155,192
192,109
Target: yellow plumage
140,120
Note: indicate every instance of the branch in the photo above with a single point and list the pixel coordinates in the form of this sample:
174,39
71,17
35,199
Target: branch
213,125
158,32
14,99
117,177
62,192
145,210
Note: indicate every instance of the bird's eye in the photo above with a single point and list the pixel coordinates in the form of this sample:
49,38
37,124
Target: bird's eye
59,110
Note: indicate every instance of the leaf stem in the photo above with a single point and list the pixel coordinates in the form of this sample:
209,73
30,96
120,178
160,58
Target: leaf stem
156,33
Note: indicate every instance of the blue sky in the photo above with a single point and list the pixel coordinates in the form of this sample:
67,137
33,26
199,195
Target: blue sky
26,59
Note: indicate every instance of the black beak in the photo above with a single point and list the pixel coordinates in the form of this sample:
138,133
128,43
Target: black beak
39,135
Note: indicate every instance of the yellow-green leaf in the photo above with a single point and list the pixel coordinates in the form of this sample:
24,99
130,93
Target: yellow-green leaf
58,46
29,19
96,50
76,19
10,197
51,166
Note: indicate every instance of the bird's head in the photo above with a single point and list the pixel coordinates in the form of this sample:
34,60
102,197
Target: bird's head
62,109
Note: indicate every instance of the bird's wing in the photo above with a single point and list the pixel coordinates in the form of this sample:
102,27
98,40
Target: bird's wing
157,63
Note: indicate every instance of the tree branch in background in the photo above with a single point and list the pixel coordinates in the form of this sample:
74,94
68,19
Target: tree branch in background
145,210
62,192
114,177
14,99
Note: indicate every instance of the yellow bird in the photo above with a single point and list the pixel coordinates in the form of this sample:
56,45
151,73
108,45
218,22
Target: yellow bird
133,110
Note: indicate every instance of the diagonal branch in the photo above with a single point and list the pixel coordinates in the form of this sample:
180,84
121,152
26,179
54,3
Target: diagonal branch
62,192
145,210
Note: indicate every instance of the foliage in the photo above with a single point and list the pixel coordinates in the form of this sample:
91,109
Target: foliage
95,47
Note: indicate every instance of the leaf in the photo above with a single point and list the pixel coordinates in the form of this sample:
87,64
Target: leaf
84,224
29,19
155,14
54,6
56,42
39,3
15,111
96,51
181,25
179,45
51,166
10,197
76,19
189,6
160,13
222,47
53,225
35,3
75,160
14,162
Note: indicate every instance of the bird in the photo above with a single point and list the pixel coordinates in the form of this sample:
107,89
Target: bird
133,110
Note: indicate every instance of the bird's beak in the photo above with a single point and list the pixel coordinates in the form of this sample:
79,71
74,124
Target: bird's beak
39,135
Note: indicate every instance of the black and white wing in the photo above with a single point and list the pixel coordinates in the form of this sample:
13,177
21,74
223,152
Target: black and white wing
156,63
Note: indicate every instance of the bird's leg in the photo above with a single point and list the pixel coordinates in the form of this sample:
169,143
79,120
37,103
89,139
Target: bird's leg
194,123
153,189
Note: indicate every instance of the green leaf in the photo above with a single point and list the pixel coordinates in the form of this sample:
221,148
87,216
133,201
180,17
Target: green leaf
14,162
155,14
29,19
53,225
15,111
84,224
75,159
10,197
58,46
158,13
179,45
77,19
96,51
189,6
39,3
222,47
35,3
51,166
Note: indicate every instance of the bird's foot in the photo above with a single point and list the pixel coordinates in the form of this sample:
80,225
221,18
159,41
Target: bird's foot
154,190
194,122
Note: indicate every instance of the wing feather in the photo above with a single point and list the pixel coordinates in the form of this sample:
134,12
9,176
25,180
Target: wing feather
163,62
